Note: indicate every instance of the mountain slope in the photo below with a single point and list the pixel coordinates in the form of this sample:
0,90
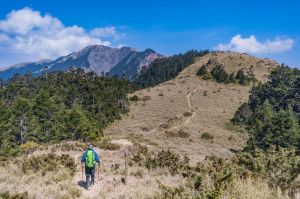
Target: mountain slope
133,63
190,115
22,68
97,58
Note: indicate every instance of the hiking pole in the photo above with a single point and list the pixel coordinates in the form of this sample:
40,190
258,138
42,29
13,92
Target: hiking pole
98,172
81,172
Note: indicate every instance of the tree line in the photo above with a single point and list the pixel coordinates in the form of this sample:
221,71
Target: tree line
166,68
219,74
57,106
272,113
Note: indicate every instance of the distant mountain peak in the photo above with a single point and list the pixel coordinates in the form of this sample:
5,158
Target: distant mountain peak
124,61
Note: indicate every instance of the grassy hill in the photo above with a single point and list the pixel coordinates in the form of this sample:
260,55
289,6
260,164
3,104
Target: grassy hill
194,106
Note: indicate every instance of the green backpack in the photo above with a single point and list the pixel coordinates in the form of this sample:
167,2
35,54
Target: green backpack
90,159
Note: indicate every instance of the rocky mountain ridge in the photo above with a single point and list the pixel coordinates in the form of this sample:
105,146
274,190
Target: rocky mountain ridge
123,61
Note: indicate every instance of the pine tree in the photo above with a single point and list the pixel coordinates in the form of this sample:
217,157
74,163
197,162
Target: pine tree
202,71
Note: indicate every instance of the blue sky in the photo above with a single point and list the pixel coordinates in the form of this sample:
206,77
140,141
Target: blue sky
39,29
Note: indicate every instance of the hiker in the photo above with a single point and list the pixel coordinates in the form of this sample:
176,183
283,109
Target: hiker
89,158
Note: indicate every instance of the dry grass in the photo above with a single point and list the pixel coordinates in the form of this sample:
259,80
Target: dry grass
142,183
53,184
59,183
201,113
241,188
250,189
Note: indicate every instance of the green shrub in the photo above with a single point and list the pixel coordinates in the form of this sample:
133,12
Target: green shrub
207,136
110,146
183,134
180,133
171,133
187,114
243,114
105,143
214,176
219,74
134,98
281,167
9,195
202,71
29,147
68,146
163,159
146,98
47,163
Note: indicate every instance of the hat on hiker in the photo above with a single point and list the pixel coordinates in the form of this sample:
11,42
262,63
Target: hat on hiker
90,146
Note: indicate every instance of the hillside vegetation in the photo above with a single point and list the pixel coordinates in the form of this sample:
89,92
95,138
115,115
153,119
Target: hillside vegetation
187,137
166,68
59,106
272,114
219,74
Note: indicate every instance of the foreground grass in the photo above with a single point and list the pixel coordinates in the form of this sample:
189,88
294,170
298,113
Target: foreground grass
44,176
152,174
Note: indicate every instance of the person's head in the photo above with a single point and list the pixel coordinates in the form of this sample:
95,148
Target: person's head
90,147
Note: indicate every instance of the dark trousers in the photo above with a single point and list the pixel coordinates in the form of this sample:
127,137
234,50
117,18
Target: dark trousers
90,172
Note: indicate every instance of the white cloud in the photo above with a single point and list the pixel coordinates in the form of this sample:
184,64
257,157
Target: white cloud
38,36
104,32
252,45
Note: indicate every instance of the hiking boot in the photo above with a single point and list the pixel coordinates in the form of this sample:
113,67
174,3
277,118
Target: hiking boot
88,183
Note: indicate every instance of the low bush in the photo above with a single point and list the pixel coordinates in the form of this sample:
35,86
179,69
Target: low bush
187,114
105,143
73,146
134,98
279,166
163,159
180,133
207,136
164,126
110,146
183,134
171,134
29,147
47,163
6,152
146,98
9,195
217,177
219,74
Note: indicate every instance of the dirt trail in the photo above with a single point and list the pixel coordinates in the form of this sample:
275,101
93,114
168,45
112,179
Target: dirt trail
79,179
188,98
124,142
106,180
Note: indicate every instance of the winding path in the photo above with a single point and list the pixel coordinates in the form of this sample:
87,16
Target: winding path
188,98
